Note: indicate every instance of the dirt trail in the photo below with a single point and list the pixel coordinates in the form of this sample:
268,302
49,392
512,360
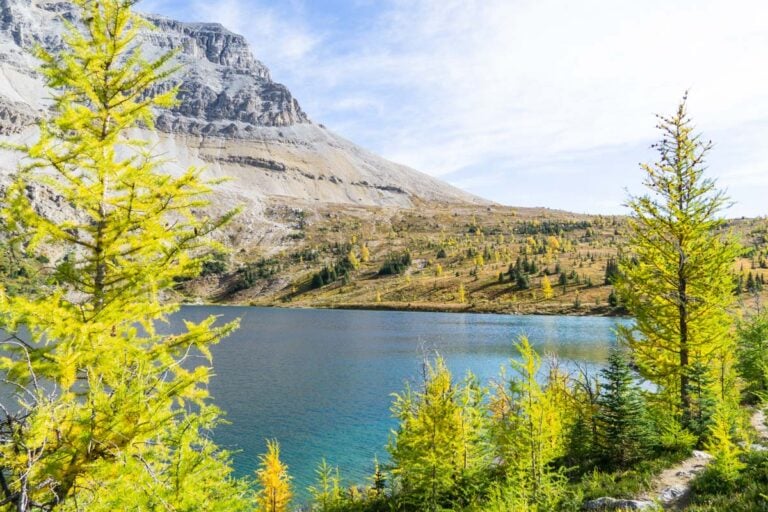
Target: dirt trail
672,487
758,423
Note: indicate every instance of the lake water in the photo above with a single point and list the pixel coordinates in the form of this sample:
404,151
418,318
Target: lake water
320,381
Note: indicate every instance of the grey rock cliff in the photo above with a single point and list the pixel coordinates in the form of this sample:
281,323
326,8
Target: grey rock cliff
224,89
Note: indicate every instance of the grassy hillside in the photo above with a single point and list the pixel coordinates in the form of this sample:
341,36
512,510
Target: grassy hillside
444,258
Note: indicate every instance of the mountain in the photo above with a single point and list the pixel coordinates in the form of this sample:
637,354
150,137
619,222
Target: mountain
232,119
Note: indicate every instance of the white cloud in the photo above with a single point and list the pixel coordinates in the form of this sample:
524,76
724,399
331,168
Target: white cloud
447,85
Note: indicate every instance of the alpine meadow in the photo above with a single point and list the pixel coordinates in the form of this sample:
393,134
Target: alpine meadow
152,172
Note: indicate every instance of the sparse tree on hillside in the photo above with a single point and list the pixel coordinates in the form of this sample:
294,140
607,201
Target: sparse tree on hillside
678,284
522,281
611,270
553,244
546,288
354,263
462,295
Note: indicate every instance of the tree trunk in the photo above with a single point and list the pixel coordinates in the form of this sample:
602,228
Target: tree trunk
685,399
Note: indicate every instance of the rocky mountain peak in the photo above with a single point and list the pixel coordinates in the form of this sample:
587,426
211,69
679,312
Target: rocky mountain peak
210,41
224,89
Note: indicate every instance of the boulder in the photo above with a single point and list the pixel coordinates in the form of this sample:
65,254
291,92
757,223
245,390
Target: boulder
606,503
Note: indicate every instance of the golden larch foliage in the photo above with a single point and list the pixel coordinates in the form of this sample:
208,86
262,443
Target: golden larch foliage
274,481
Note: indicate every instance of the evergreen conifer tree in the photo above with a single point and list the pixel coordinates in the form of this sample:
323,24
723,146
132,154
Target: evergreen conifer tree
611,270
703,399
751,287
583,434
613,299
621,416
522,281
378,479
752,355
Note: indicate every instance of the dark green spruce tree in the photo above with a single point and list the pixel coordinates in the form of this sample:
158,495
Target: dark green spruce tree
703,399
621,415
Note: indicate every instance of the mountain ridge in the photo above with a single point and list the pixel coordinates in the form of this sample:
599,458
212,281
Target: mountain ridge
232,119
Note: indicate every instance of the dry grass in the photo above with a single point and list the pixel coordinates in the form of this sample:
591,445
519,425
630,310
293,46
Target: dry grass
578,245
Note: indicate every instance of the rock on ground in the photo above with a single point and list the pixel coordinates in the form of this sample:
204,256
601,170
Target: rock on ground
605,503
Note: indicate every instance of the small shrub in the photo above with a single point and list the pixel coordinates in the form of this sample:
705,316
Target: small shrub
671,436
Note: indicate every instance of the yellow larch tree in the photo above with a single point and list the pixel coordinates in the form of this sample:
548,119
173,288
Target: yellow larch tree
546,288
352,259
108,413
275,483
439,443
676,276
529,426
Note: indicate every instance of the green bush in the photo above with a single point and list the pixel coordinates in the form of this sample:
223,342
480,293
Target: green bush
749,493
670,435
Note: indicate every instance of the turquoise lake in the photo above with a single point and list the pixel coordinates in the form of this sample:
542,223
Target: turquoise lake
320,381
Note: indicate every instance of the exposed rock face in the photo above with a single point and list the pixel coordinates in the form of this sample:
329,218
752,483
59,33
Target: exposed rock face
232,119
15,116
224,89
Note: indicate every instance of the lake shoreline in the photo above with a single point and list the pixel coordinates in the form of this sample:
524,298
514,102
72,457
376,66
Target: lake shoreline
557,310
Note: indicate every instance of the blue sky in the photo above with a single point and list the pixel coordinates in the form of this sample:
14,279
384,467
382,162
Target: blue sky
525,102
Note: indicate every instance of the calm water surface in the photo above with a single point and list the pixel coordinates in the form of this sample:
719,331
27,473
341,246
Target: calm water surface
320,381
